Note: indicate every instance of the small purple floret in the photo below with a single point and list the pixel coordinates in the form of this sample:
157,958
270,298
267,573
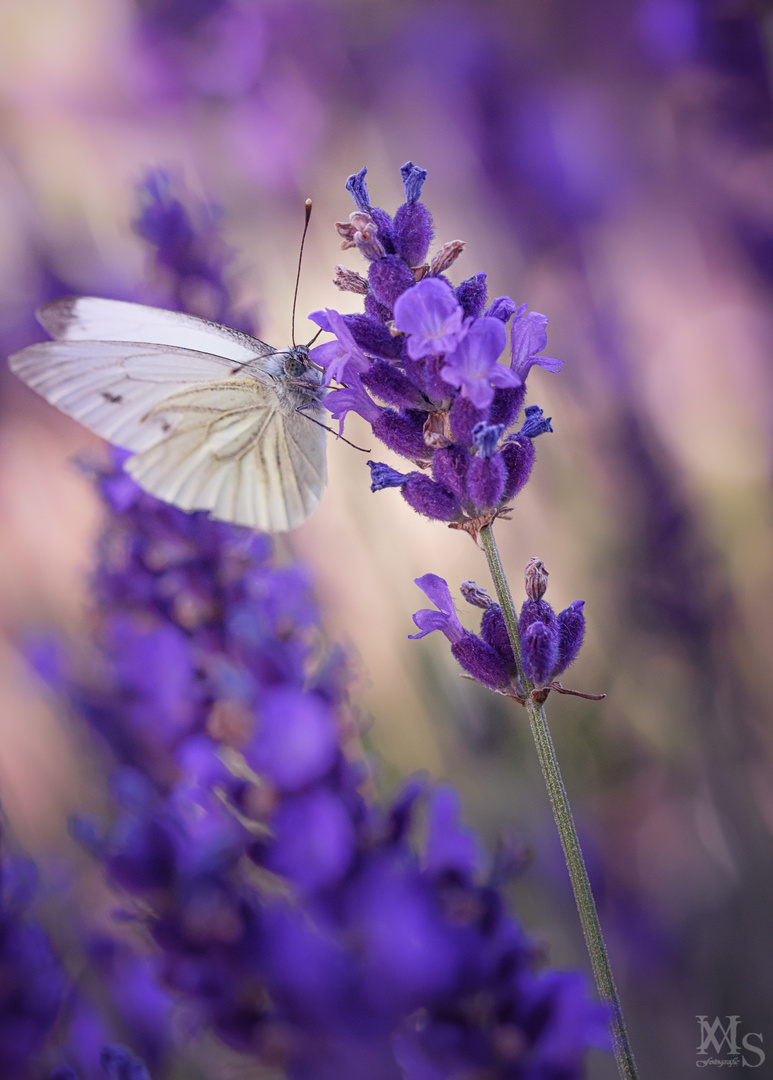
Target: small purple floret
413,181
536,423
383,476
430,314
486,438
341,356
353,398
529,336
503,308
358,190
472,366
445,619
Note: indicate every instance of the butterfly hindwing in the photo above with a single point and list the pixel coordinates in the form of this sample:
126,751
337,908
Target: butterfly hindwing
232,452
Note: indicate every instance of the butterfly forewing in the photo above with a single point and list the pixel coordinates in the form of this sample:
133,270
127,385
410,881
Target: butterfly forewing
111,387
89,318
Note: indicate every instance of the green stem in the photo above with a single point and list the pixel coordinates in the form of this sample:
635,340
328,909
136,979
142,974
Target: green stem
586,906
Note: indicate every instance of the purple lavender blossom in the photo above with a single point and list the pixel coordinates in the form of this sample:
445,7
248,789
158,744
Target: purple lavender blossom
341,356
431,316
472,366
431,352
549,643
191,256
527,337
475,655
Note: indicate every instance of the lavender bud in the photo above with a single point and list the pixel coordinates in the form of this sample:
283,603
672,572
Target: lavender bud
413,232
385,229
482,661
403,433
486,481
389,277
471,294
449,467
373,337
536,611
464,417
447,255
571,631
539,648
350,281
494,631
431,499
536,578
476,596
506,404
387,382
518,457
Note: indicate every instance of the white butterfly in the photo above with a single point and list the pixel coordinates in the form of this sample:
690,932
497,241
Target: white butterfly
212,414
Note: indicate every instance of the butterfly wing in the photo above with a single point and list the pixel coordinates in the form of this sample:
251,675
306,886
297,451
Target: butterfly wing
112,387
163,385
233,451
90,318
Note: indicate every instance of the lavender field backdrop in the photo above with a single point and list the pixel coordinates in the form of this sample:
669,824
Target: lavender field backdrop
611,165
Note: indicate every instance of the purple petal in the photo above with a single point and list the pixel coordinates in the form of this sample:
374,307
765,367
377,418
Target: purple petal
430,314
529,336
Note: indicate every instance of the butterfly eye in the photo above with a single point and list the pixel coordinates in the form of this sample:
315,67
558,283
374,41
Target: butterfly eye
294,367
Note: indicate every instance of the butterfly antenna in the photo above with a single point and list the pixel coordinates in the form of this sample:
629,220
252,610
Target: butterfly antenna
300,260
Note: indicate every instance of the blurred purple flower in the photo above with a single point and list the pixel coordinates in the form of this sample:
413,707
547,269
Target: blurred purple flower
32,980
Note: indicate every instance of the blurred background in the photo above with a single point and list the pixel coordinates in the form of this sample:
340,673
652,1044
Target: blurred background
611,164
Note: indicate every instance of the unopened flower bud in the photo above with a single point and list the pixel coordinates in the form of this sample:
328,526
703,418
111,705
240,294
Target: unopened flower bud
536,578
447,255
476,596
350,281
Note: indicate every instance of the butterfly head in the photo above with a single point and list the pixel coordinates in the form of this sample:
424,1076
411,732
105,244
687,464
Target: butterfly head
296,363
299,372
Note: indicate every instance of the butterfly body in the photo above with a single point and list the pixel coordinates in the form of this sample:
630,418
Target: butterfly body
217,420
